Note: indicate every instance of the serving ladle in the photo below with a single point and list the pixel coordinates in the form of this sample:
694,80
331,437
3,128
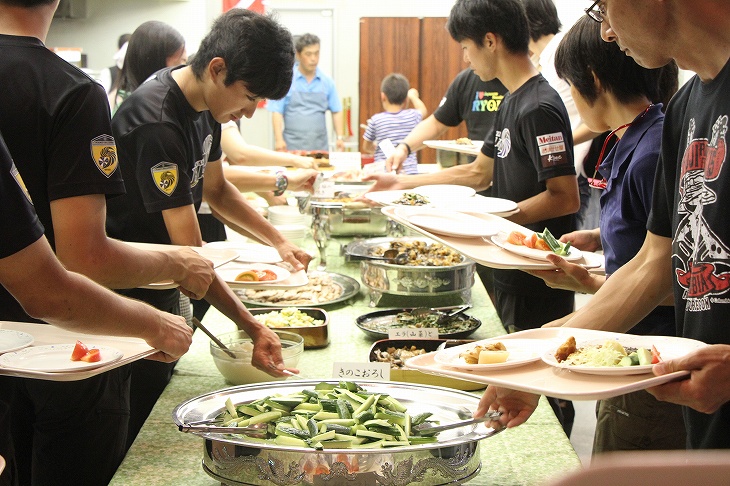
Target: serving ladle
391,255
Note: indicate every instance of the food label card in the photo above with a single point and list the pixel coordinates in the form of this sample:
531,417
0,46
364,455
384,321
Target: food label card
413,333
365,371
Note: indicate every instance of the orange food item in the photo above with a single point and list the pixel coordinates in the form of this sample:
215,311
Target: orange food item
92,356
79,351
265,275
247,276
516,238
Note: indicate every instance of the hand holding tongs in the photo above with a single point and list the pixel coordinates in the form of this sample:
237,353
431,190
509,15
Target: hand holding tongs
427,428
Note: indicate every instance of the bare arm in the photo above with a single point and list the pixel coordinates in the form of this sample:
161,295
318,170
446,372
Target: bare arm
477,175
337,126
632,292
368,147
248,181
238,152
228,202
182,226
417,103
428,129
47,291
583,134
277,119
83,246
558,199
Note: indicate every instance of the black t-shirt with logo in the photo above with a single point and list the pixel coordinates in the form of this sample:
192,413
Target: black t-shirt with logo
473,101
531,143
19,224
692,206
164,145
55,122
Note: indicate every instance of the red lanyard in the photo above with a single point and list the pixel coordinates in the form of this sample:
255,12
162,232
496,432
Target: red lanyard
603,183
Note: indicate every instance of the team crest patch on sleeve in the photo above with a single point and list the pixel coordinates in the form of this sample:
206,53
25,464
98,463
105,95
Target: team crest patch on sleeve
19,180
104,153
165,175
552,149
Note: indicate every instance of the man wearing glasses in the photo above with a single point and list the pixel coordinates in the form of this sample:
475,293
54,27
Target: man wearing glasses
687,248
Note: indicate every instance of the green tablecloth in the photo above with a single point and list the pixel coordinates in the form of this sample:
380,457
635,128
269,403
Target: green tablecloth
531,454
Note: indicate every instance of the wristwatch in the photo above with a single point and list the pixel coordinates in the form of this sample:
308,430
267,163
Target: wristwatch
281,183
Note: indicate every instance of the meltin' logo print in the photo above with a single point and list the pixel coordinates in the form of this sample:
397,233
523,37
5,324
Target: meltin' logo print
104,153
165,175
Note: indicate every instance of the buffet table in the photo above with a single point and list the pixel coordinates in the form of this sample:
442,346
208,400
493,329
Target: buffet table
533,453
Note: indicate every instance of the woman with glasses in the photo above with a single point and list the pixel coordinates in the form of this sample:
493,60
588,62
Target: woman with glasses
614,93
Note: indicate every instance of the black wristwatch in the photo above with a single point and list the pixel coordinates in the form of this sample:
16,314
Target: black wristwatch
281,183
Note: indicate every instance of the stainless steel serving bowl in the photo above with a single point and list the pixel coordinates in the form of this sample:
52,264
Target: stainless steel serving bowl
236,460
387,278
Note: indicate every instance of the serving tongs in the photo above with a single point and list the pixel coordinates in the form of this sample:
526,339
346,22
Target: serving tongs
427,428
441,315
210,427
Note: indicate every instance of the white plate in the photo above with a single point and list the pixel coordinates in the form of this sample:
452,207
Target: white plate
388,198
56,358
11,340
448,223
669,348
521,351
533,253
247,252
474,149
480,204
230,271
445,191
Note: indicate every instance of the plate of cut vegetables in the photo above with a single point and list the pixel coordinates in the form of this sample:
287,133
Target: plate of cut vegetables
536,245
239,275
624,355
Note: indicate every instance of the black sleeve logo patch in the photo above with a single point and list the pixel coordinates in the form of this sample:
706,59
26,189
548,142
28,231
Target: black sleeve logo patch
104,154
165,175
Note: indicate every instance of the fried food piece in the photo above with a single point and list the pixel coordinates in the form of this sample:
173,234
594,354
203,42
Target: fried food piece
472,356
566,349
463,141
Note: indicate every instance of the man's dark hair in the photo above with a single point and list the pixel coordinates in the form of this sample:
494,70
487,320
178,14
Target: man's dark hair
542,18
306,40
473,19
149,47
395,87
256,48
582,53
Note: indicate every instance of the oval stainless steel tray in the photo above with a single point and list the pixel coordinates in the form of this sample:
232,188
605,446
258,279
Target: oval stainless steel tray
350,288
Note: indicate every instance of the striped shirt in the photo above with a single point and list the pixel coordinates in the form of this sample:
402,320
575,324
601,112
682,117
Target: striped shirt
395,127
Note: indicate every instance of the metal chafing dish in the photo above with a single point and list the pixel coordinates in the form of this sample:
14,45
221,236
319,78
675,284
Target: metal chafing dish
387,278
348,217
239,460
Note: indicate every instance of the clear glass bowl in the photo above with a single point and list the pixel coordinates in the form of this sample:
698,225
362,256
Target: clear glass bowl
239,370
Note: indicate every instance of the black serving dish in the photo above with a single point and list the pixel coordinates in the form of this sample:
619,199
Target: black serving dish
376,324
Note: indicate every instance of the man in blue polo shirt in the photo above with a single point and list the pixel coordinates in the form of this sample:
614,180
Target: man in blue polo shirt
299,117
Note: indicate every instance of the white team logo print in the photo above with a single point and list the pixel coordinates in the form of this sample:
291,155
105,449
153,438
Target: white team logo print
165,175
16,175
104,153
199,167
503,143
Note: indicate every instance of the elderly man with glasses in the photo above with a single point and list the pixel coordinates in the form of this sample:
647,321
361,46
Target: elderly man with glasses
687,249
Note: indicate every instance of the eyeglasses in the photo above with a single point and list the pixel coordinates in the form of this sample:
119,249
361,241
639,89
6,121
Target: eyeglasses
596,12
603,183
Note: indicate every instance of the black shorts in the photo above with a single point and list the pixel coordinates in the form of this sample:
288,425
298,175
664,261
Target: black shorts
68,432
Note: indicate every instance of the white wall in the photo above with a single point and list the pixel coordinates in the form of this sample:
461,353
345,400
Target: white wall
107,19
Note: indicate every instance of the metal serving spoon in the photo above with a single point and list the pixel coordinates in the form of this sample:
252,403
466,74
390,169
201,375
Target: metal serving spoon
390,256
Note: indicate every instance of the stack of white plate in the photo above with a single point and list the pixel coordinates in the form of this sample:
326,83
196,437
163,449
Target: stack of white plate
286,215
292,232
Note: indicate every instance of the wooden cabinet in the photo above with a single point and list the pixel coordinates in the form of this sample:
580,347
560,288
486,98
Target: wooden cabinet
420,49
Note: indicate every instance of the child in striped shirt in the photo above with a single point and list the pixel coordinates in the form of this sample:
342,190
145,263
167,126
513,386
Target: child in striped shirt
396,122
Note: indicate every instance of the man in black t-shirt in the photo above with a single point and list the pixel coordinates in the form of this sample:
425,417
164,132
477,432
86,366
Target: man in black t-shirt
55,120
467,99
687,249
30,271
527,157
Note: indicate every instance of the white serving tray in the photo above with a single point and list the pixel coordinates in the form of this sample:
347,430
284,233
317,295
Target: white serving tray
45,334
541,378
483,251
